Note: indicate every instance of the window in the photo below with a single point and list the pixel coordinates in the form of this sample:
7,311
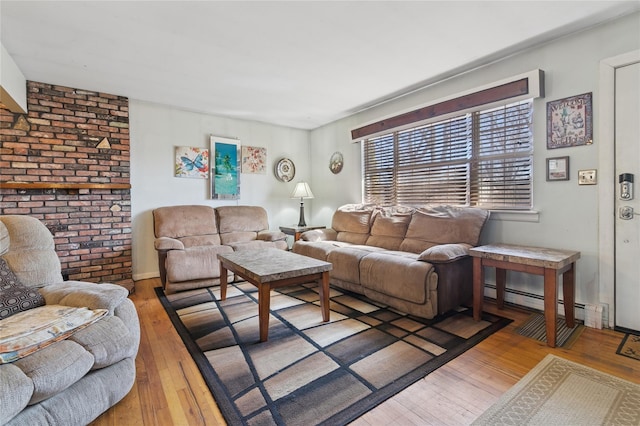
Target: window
481,159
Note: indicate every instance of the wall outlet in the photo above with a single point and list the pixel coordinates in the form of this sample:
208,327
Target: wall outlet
587,177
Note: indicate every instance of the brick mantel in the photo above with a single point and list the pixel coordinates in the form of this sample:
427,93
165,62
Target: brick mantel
66,162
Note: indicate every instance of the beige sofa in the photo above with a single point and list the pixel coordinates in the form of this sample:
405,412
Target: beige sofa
189,238
413,259
74,380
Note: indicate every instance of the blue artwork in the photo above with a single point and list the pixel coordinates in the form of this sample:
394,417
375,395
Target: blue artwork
226,179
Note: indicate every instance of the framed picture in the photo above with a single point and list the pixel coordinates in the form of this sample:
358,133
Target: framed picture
225,168
557,168
570,122
254,160
192,162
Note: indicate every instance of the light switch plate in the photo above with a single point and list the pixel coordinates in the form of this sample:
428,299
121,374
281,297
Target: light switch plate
587,177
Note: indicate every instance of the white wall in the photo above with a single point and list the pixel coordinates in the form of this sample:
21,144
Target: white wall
568,213
155,132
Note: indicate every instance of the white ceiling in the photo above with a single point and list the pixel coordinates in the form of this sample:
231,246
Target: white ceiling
294,63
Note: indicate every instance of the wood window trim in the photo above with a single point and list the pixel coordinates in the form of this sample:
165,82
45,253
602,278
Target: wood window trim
516,89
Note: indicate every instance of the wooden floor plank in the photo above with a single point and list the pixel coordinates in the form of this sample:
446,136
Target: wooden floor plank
169,389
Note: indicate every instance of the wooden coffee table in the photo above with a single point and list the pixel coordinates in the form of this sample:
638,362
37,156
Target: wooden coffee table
272,268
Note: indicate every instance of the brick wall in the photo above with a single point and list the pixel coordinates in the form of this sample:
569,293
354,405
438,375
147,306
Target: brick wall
66,162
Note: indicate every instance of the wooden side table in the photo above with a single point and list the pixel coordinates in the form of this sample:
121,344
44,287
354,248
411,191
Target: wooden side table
296,231
549,263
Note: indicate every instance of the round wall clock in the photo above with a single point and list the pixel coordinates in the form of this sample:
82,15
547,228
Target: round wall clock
285,170
336,162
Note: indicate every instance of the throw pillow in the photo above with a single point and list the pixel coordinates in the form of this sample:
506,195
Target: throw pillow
15,297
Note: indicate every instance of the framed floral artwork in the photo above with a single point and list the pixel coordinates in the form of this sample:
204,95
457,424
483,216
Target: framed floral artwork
570,122
192,162
225,168
254,160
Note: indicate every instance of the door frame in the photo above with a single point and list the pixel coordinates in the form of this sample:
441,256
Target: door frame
607,187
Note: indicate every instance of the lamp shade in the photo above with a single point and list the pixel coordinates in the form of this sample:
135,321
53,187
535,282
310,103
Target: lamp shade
302,190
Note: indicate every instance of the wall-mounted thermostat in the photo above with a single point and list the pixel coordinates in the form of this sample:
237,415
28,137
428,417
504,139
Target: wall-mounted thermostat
587,177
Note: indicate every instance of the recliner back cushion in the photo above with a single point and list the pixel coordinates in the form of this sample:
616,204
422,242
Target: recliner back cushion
241,223
444,225
352,223
388,229
31,251
184,221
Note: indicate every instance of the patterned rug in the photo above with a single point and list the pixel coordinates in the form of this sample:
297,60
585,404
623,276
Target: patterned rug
630,346
561,392
310,372
534,327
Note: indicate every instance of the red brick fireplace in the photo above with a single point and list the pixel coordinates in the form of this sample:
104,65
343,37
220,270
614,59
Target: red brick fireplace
66,162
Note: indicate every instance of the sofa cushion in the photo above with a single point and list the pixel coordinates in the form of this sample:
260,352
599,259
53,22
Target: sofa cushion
184,221
31,254
194,263
388,229
396,276
81,294
200,240
346,261
14,297
259,245
445,252
317,249
15,390
443,225
55,368
108,340
242,219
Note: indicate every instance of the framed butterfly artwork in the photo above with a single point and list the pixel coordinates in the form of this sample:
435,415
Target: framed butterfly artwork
192,162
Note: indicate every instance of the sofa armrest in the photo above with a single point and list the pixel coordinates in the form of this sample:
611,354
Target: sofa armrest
166,243
443,253
81,294
267,235
319,235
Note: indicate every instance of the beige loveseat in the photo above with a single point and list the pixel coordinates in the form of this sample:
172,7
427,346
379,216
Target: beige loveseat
413,259
189,238
73,380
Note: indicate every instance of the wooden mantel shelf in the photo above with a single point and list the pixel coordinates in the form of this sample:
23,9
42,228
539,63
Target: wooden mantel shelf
54,185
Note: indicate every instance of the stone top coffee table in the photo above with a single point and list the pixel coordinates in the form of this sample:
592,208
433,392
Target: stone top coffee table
272,268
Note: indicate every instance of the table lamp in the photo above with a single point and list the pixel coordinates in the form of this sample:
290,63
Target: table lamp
302,191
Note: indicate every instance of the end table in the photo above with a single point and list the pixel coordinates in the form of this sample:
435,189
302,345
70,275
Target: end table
297,230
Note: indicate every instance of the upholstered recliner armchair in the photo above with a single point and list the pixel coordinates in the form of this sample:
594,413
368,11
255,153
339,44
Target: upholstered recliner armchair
73,377
189,238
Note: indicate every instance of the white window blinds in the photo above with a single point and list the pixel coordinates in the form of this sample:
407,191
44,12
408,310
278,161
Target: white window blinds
482,159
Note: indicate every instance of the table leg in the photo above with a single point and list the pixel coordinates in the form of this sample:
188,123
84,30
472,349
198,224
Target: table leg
264,299
550,304
568,295
478,288
223,282
324,296
501,280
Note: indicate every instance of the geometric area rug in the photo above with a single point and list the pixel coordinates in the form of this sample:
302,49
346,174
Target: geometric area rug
561,392
310,372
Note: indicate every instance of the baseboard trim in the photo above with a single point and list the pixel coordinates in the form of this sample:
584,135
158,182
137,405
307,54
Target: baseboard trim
536,302
145,276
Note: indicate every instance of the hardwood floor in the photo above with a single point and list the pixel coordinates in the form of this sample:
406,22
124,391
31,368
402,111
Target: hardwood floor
170,391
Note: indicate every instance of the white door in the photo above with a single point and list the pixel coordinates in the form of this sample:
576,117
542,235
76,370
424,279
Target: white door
627,222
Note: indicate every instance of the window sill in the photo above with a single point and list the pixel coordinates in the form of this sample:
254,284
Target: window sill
515,215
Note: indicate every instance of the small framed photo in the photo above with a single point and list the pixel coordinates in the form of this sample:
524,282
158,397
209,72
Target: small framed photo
557,168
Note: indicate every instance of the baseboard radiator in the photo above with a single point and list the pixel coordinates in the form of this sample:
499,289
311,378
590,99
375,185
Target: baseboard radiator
595,316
